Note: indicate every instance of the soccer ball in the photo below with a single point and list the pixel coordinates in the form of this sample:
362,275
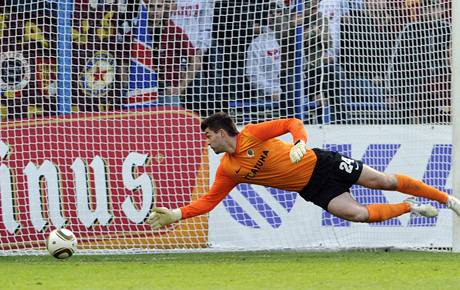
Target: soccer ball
61,243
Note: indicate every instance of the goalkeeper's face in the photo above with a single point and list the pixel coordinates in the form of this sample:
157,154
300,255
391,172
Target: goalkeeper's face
216,140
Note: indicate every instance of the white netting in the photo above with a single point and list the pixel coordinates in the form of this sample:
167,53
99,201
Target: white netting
101,102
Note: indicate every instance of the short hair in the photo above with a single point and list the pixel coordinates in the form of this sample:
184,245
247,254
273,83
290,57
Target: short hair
219,121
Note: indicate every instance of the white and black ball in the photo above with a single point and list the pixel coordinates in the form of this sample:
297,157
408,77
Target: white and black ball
61,243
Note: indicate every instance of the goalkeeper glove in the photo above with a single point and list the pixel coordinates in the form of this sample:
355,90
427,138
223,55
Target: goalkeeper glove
161,216
298,151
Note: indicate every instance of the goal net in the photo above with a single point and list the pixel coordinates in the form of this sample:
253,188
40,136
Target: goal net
101,102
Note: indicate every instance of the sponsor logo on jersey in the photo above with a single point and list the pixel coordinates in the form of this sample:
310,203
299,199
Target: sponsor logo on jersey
98,75
251,153
14,71
260,163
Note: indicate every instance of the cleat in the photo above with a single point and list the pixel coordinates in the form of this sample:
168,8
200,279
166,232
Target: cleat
426,210
454,204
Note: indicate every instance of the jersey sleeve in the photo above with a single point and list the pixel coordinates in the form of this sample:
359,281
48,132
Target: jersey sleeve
222,185
271,129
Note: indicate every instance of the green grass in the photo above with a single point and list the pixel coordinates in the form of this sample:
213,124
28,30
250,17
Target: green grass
259,270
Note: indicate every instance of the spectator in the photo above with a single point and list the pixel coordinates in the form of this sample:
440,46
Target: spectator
286,21
322,87
436,103
98,56
366,43
332,12
225,81
195,17
420,63
176,58
316,39
263,57
323,73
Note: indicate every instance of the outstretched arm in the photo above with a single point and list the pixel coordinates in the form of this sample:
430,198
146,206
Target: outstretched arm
221,187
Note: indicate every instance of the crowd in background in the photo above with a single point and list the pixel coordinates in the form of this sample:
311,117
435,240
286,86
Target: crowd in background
364,61
386,60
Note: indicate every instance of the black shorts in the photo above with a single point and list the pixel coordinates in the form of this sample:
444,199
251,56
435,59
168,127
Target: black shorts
333,175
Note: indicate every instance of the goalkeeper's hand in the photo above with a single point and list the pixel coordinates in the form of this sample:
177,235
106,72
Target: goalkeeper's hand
298,151
161,216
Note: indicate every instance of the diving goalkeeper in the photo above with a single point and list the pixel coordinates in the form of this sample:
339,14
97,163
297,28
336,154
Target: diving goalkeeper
322,177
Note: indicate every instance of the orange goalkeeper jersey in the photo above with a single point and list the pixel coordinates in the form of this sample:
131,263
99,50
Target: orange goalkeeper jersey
259,158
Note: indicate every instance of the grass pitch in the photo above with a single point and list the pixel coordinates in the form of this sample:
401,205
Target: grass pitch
259,270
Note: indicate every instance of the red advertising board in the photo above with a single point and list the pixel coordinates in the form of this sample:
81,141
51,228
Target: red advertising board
170,138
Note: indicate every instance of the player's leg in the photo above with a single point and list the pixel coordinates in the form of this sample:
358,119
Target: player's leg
346,207
340,173
372,178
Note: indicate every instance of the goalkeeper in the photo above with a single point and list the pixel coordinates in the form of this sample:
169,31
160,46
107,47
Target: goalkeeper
322,177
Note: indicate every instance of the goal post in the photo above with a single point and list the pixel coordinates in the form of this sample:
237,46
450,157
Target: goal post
101,103
456,119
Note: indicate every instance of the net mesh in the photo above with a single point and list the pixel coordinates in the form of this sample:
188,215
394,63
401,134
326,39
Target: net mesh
101,102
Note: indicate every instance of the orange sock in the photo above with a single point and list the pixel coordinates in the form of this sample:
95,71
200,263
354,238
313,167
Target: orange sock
383,212
416,187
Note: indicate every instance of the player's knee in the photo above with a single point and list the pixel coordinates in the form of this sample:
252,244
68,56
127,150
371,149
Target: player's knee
393,181
385,181
359,216
389,182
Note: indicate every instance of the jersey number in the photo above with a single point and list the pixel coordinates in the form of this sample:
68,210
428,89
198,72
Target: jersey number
346,164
